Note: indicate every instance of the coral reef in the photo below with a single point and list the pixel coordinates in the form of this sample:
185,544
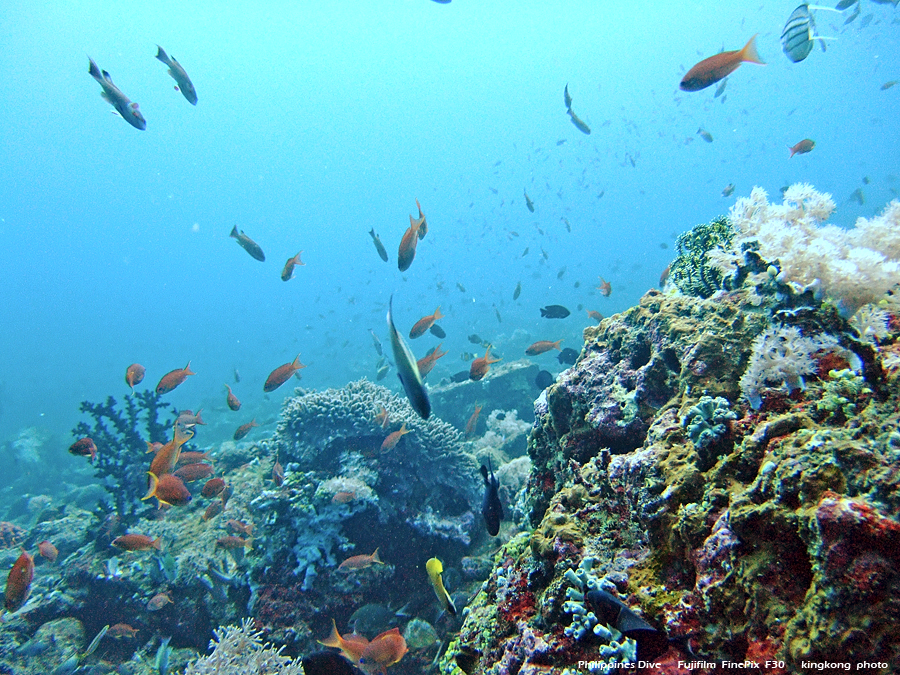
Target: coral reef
777,546
691,270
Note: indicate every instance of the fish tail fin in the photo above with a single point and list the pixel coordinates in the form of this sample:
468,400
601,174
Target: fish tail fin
187,369
154,481
161,55
234,232
94,70
376,558
296,365
157,543
437,314
333,640
749,53
556,344
484,472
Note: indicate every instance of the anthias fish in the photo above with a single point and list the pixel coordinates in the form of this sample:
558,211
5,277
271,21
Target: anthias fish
605,287
481,366
407,251
491,508
134,375
801,148
127,110
288,272
352,645
360,562
472,424
244,429
426,363
232,400
435,568
184,83
248,244
712,69
542,346
382,253
384,650
168,489
18,582
282,374
137,542
528,202
173,378
423,324
407,370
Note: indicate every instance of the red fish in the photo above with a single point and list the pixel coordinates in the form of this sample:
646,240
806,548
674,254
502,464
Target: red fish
213,510
422,325
711,70
167,456
605,287
213,487
232,400
48,550
137,542
158,601
384,650
277,473
18,583
351,645
801,148
393,438
121,630
240,528
472,424
595,315
542,346
84,447
481,366
230,543
282,374
382,417
173,378
196,471
288,272
360,562
191,457
244,429
168,489
134,374
426,363
408,244
343,497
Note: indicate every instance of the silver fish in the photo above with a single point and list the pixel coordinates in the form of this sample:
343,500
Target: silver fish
178,74
111,93
407,370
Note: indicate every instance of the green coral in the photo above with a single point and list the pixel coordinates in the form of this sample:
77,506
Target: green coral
705,422
691,271
842,390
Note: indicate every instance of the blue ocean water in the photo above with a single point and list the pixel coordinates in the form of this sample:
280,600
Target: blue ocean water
319,121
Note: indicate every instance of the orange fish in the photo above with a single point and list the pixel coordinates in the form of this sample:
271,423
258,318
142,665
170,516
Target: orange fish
423,226
244,429
231,542
18,583
422,325
168,489
472,424
481,366
711,70
801,148
426,363
408,244
232,400
84,447
226,493
121,630
134,374
382,417
343,497
393,438
48,550
137,542
542,346
351,645
595,315
277,473
159,601
664,276
196,471
213,487
167,456
173,378
605,287
191,457
384,650
214,509
282,374
288,272
360,562
239,527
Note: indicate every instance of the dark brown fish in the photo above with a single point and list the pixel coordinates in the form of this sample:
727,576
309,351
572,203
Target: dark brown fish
282,374
248,244
801,148
244,429
288,272
84,447
382,253
134,375
232,400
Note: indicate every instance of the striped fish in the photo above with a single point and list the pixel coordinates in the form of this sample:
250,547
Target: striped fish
799,32
407,370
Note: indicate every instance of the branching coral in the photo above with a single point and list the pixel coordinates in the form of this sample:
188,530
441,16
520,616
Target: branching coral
121,449
241,651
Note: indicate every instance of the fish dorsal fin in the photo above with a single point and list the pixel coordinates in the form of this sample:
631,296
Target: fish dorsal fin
106,76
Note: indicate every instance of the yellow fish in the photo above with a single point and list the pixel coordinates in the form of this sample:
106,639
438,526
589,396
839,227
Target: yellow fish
435,569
